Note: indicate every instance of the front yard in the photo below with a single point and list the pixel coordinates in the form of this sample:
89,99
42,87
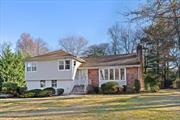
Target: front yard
164,105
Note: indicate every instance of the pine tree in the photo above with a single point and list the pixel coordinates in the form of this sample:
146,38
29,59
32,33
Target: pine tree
11,66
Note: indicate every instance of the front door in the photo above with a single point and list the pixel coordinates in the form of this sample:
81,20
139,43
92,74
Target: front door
81,77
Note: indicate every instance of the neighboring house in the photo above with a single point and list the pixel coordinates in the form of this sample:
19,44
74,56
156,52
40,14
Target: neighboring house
59,69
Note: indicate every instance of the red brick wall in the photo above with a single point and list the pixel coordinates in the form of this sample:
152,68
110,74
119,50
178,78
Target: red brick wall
93,77
131,75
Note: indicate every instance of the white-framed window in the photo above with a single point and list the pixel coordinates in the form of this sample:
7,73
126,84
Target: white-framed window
116,74
61,65
106,74
102,75
112,73
42,83
31,66
54,83
122,74
64,65
67,64
28,66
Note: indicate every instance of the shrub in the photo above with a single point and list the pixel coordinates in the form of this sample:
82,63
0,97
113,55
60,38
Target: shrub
178,84
35,92
129,89
1,82
21,90
92,89
60,91
110,88
151,84
124,88
137,86
10,88
28,95
45,93
50,89
155,88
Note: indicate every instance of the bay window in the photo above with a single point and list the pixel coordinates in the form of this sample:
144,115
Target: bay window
106,74
102,77
116,74
112,74
122,74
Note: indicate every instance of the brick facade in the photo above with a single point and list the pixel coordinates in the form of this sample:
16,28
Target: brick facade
133,73
93,77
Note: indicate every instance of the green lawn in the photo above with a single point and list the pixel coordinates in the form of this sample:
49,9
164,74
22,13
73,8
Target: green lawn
164,105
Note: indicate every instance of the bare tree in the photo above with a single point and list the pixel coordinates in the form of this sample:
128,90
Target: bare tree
31,47
41,46
124,40
154,10
73,44
114,33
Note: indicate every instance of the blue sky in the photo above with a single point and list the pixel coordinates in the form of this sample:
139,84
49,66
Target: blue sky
55,19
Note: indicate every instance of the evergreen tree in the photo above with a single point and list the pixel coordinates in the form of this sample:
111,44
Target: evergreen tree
11,66
158,44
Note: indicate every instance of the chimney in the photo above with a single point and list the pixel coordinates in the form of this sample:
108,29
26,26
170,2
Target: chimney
139,53
140,58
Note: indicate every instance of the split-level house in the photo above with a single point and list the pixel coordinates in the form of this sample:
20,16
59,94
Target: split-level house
59,69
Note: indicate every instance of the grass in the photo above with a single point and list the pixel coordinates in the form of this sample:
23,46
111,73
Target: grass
164,105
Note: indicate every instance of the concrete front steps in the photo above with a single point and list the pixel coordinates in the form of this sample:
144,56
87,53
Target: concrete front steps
78,90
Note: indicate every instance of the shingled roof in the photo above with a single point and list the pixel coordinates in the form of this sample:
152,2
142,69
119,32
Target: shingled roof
59,54
111,60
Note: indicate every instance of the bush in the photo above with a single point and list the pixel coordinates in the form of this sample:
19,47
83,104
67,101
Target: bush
124,88
60,91
110,88
137,86
92,89
35,92
10,88
151,84
129,89
50,89
45,93
177,83
21,90
28,95
155,88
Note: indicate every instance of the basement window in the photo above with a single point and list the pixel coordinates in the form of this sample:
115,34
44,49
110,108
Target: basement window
54,83
42,83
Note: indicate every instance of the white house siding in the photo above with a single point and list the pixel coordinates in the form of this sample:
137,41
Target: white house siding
48,70
67,85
